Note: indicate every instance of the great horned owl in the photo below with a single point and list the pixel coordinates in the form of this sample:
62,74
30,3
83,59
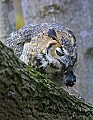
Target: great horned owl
48,46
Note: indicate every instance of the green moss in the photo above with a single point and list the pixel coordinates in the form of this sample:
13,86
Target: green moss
27,94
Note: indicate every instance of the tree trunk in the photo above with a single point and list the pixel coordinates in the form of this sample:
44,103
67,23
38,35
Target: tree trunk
38,11
7,19
77,15
25,94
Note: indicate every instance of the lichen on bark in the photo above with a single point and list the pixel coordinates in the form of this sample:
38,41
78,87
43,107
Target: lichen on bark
26,94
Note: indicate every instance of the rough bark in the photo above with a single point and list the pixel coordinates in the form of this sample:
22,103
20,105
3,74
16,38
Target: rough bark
77,15
25,94
7,21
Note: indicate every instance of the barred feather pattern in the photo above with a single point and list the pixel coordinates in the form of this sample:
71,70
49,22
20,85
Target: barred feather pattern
45,45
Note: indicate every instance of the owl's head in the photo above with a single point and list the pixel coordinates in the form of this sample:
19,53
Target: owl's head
61,53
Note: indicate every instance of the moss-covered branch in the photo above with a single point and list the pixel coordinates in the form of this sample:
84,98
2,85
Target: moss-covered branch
25,94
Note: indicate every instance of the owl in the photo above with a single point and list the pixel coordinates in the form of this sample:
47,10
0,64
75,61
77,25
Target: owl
48,47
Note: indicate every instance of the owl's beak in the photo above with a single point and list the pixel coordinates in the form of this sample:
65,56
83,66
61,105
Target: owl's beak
69,79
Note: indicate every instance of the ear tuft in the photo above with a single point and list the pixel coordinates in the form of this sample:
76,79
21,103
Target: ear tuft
52,34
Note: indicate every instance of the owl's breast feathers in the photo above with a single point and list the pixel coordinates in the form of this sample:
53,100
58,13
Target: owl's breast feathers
45,45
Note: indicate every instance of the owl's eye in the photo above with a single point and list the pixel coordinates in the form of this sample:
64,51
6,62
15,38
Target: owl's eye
59,51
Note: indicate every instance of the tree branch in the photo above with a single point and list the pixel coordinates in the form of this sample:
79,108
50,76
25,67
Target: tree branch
26,94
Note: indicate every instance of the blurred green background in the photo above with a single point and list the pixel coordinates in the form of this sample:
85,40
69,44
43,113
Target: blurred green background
18,14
